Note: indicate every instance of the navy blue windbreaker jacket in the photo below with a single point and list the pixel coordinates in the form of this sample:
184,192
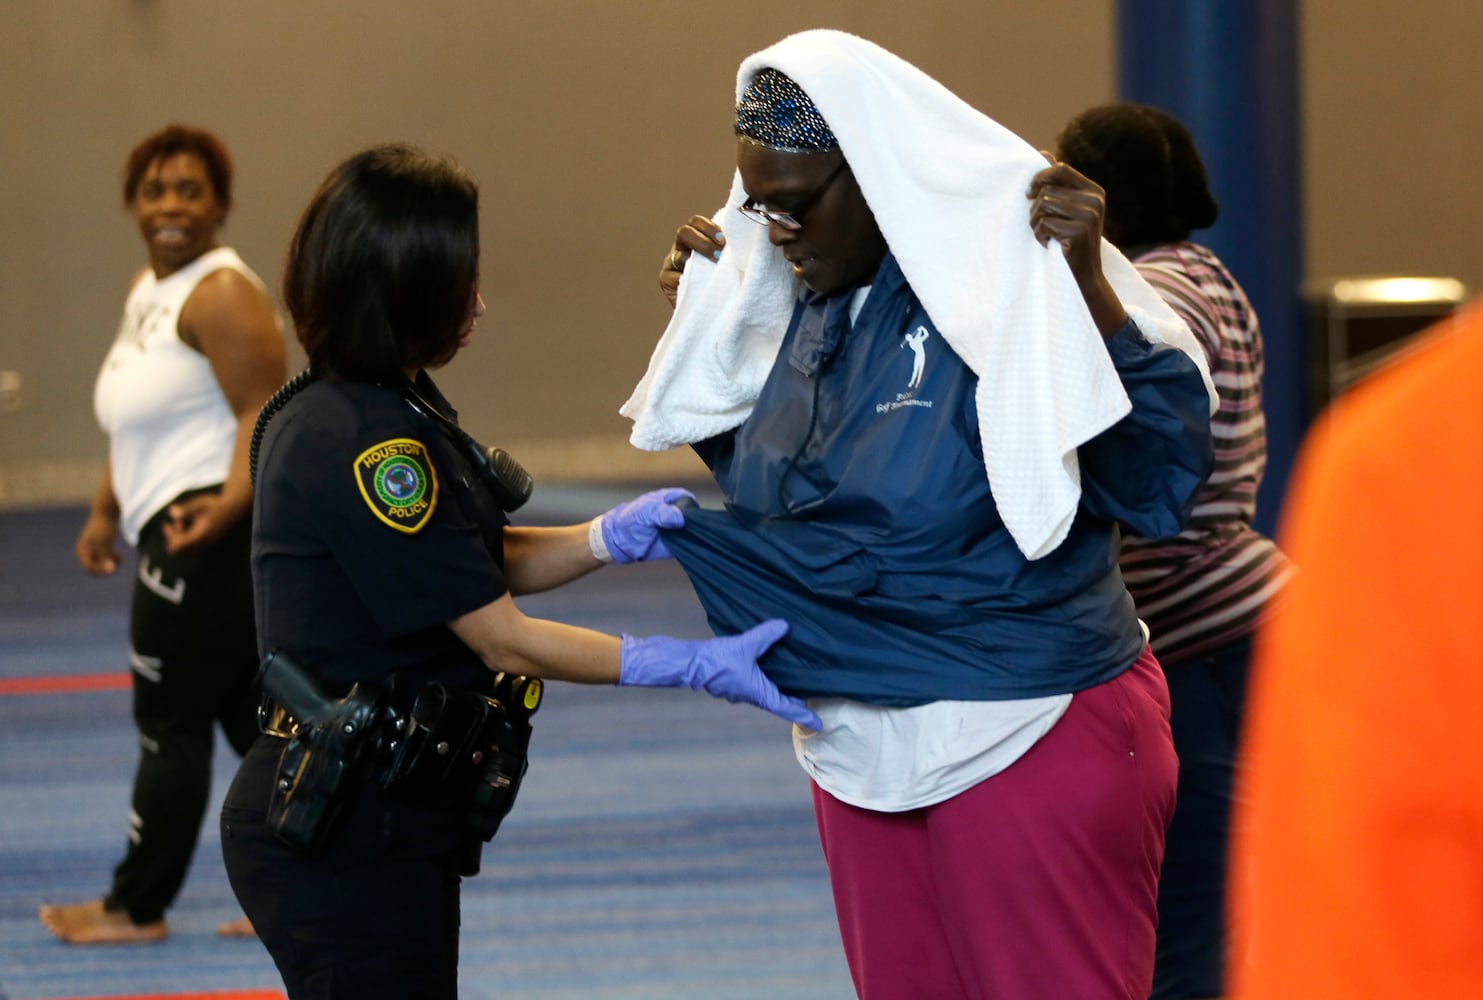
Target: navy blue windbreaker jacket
858,510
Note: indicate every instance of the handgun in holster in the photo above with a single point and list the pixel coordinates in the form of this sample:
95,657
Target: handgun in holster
330,746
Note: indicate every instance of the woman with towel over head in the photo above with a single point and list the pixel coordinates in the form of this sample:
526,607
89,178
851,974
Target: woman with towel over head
932,395
1203,593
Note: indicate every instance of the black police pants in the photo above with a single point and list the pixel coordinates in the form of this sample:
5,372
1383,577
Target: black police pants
373,917
193,656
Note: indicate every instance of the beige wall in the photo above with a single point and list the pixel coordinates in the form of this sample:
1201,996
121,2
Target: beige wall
1393,113
596,126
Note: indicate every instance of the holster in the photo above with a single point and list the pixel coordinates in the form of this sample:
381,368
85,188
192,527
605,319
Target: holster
502,758
466,744
432,744
465,749
329,747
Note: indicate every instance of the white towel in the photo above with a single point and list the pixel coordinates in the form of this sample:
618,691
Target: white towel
948,189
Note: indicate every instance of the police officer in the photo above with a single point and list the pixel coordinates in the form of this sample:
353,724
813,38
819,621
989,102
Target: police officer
383,564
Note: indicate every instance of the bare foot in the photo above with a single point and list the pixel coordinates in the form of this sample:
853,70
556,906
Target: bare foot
90,923
239,928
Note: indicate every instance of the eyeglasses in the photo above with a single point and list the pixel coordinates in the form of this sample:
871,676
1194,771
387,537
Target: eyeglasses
791,221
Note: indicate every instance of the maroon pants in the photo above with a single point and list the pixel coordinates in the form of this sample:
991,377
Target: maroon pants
1037,883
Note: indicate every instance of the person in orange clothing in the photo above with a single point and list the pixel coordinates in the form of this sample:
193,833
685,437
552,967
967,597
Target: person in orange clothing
1361,873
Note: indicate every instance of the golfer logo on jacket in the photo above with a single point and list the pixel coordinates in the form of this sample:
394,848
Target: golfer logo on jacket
915,340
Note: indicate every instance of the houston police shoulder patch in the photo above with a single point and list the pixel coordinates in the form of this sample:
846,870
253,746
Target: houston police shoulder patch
398,482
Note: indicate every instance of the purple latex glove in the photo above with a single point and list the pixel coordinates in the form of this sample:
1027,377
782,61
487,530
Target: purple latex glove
725,667
630,531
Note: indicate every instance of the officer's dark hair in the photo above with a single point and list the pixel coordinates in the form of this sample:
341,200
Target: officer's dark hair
383,268
171,141
1146,161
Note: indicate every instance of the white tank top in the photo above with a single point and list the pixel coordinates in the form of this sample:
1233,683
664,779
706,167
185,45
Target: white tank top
169,425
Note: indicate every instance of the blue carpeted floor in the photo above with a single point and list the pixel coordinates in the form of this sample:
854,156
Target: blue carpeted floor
663,846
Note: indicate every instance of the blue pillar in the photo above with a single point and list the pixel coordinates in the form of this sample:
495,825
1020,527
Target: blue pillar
1229,71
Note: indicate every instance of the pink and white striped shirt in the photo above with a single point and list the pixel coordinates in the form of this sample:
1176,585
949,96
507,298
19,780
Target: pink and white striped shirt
1213,581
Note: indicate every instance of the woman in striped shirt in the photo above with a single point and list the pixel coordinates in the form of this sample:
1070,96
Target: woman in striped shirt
1201,592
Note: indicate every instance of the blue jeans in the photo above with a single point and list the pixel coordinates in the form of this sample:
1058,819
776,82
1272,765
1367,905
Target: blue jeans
1208,698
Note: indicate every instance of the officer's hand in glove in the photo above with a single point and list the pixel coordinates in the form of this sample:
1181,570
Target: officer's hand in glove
630,531
724,667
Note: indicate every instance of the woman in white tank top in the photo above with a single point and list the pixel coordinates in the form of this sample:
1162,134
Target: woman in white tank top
198,352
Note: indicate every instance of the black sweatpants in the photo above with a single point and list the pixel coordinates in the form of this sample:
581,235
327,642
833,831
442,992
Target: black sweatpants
193,656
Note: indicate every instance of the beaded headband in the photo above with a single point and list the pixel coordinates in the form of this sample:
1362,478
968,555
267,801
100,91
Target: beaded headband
777,113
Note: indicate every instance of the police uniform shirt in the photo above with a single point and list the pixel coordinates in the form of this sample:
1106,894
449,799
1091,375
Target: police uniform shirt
370,535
